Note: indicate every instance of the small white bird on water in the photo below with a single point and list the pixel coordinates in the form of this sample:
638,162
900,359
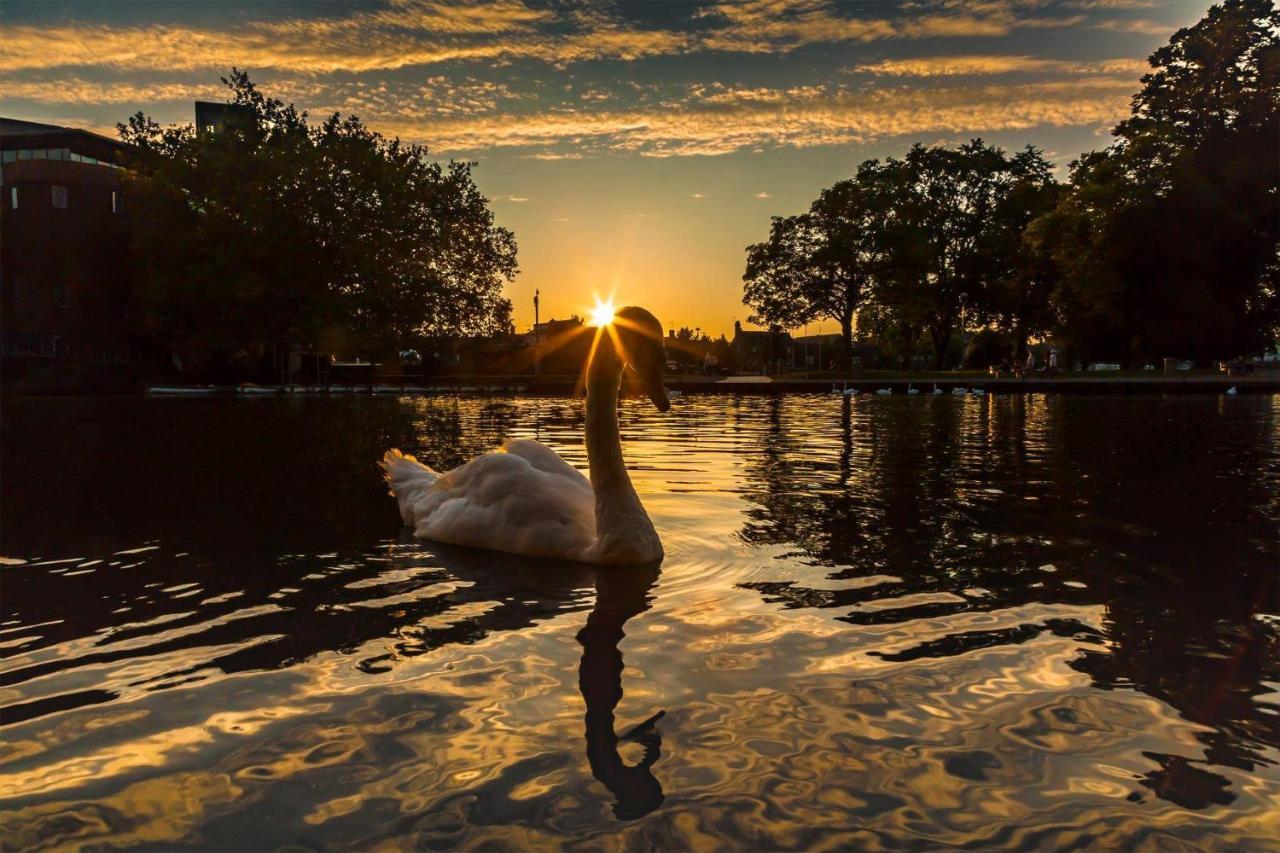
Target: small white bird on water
525,499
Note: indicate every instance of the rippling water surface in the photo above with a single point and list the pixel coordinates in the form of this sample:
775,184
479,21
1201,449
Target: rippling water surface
882,622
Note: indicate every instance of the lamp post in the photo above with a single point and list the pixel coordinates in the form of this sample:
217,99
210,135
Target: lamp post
537,335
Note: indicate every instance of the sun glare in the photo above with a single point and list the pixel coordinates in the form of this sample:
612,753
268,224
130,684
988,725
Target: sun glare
602,314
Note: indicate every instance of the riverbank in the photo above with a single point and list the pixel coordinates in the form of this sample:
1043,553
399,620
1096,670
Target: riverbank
562,385
1205,383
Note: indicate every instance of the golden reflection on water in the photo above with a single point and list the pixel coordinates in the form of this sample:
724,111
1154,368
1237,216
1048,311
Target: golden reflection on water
882,622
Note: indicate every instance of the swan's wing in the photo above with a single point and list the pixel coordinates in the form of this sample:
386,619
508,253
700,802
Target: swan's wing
543,458
523,499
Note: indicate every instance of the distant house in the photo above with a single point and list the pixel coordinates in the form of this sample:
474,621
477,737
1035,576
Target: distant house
816,352
64,259
769,351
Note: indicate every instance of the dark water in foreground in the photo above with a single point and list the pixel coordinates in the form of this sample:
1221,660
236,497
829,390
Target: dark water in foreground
883,622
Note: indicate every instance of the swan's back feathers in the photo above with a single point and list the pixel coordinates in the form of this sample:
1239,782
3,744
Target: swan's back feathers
523,499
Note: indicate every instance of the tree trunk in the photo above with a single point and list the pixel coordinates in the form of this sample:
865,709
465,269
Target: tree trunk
846,342
941,335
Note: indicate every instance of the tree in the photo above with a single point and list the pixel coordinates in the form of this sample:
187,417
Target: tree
814,265
271,231
946,229
1166,243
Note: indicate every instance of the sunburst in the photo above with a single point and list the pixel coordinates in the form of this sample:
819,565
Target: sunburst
602,314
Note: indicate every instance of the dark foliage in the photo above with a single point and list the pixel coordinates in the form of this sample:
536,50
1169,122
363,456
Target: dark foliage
271,230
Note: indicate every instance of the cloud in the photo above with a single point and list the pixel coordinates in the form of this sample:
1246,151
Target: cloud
1135,25
698,195
763,195
426,32
980,65
1111,4
833,116
763,26
517,198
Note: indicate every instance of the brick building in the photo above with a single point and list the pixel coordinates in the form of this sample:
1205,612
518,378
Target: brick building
64,253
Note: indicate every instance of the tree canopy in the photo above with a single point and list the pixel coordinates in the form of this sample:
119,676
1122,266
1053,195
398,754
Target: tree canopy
271,230
814,265
1165,243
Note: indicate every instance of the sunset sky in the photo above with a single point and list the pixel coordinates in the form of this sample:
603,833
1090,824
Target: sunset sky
633,147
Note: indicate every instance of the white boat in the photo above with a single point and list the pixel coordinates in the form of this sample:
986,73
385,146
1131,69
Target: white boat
1232,391
258,389
978,392
339,389
960,392
181,390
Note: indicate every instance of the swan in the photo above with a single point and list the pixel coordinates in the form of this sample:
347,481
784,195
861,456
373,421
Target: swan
525,499
911,389
1232,391
936,389
884,391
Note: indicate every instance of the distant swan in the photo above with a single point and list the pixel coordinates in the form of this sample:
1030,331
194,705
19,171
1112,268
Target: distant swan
525,499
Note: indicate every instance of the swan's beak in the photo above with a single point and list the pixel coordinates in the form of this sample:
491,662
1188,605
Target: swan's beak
660,398
651,381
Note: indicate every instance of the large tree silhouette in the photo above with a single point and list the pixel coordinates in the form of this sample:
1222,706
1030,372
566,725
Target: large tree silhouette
272,230
1167,241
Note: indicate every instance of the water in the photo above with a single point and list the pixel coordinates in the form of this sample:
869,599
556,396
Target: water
883,622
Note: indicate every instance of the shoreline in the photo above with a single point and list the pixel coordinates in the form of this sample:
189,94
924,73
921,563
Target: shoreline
568,386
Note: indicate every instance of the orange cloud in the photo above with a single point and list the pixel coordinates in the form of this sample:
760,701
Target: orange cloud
426,32
975,65
724,123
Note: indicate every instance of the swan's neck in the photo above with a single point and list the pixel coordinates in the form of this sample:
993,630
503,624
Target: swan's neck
624,532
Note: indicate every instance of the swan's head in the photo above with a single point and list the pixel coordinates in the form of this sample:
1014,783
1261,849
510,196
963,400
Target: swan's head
639,336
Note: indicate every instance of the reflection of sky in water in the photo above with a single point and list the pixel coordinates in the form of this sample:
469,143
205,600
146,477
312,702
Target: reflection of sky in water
914,621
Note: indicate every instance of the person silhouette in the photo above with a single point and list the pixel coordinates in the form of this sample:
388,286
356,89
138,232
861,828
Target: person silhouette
619,596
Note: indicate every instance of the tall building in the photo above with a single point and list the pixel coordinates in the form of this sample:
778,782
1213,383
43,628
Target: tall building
64,254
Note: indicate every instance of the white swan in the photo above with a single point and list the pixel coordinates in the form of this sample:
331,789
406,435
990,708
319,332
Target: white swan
525,499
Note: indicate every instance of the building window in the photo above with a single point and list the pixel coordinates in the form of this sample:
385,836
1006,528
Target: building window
59,196
117,202
13,198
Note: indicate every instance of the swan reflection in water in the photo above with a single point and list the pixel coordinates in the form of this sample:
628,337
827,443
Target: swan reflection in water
555,587
620,594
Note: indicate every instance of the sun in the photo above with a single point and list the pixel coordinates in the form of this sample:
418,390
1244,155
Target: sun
602,314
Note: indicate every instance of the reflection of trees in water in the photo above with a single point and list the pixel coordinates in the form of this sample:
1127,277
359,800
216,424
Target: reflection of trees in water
1144,522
